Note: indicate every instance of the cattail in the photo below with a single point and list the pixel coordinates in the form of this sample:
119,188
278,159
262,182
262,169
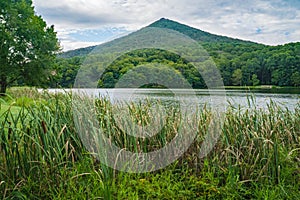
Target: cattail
44,126
10,131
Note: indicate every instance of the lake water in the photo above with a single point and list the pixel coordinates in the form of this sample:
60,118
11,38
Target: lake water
258,98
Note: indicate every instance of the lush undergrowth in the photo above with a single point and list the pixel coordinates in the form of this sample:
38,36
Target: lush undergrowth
42,156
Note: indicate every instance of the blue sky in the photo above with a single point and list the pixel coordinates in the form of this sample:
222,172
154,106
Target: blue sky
81,23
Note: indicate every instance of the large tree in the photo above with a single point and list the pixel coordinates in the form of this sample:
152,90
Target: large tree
27,45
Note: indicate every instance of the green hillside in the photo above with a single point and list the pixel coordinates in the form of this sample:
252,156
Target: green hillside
241,63
77,52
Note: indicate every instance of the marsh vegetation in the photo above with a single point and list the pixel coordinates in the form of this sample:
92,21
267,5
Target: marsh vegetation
42,155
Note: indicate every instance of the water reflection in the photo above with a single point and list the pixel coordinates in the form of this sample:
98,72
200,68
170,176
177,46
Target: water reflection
243,98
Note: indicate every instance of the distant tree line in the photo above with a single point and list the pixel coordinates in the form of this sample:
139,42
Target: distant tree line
246,64
258,65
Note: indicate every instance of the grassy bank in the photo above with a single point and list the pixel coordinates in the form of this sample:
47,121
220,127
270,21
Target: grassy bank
42,156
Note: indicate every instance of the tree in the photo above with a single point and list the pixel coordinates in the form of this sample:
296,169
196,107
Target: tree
296,78
28,46
108,80
65,72
255,80
237,77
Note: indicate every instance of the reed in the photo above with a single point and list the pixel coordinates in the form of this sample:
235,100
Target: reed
37,138
39,142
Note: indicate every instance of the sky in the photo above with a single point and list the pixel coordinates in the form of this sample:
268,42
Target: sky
82,23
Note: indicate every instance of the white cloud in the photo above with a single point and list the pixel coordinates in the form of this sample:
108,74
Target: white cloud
277,20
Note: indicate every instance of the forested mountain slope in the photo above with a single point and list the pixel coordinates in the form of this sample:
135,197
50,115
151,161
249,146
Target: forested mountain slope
240,62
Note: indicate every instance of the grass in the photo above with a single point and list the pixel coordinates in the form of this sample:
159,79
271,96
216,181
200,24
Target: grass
43,157
7,104
4,107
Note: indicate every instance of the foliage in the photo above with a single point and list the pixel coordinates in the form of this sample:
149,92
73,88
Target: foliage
157,61
28,46
295,78
237,77
255,80
65,72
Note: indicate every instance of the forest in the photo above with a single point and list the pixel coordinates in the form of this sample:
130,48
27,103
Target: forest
241,63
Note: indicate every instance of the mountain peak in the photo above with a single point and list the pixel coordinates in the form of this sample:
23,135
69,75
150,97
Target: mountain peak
193,33
162,21
166,20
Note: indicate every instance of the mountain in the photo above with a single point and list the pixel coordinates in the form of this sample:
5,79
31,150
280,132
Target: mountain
77,52
196,34
240,62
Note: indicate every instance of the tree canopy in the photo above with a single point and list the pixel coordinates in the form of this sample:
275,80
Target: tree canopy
28,46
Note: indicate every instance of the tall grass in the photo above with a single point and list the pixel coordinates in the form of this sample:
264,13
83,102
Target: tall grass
37,140
39,144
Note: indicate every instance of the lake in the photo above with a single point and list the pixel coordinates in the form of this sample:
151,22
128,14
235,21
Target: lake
256,98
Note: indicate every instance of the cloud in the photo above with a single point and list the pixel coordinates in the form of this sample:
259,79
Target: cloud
257,20
77,38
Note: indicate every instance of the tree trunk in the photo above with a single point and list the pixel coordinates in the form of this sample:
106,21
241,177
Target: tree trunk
3,87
